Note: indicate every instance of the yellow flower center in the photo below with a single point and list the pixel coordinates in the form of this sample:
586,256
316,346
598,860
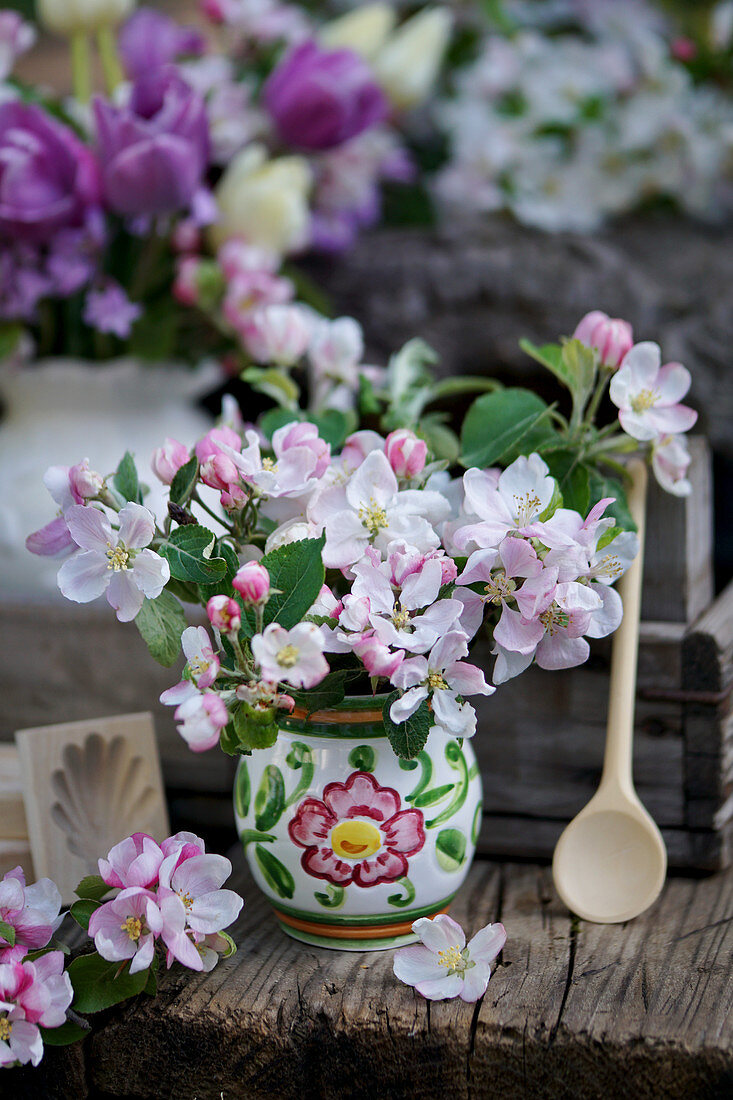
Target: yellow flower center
5,1028
644,400
133,926
451,958
401,619
288,656
268,464
118,557
554,619
374,518
499,588
186,899
356,839
525,507
609,566
198,665
436,681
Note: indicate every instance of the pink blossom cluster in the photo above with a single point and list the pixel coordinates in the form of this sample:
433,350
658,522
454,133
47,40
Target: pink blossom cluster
647,394
33,994
169,893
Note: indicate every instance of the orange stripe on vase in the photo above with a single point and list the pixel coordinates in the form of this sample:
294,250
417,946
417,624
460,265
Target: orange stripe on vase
337,717
343,932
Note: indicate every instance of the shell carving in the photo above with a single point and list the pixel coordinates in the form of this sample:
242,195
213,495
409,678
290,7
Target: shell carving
101,796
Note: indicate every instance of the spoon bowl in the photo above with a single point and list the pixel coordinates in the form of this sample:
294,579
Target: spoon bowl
610,862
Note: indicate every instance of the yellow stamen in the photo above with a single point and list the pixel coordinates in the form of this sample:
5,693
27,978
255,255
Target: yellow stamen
499,588
525,507
436,681
268,464
288,656
5,1028
374,518
133,926
186,899
645,399
118,557
554,619
451,958
401,619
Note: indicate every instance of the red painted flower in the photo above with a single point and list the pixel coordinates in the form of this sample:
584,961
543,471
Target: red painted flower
357,834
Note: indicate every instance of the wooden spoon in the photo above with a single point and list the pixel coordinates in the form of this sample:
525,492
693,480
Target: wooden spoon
610,862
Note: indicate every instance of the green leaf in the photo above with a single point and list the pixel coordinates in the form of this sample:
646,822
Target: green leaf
334,425
580,363
610,487
254,729
572,478
185,591
408,738
435,794
63,1036
92,886
297,572
273,419
10,335
326,695
274,383
450,849
498,423
184,482
82,911
550,356
368,402
7,932
96,985
276,875
189,552
607,538
442,441
161,623
126,481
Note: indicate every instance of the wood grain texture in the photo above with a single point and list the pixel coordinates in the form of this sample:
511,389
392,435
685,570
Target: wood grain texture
13,824
86,786
573,1011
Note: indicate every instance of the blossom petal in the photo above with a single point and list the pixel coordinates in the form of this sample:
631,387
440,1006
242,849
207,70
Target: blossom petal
124,595
467,679
487,943
90,528
84,576
404,707
673,382
441,989
212,912
561,651
137,526
151,573
201,875
416,963
475,981
440,933
52,540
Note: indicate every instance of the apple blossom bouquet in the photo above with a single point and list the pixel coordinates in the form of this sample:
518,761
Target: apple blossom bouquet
370,568
574,112
274,130
149,903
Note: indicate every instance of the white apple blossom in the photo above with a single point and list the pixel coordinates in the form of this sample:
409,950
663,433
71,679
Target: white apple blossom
505,505
670,460
113,561
648,394
442,677
442,966
294,656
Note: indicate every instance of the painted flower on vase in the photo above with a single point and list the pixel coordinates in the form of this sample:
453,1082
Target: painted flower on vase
357,833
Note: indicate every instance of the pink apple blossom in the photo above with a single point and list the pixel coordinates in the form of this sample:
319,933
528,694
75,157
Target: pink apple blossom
294,656
32,994
168,459
197,881
113,561
186,282
261,695
127,927
135,861
249,292
357,446
252,582
32,911
406,453
648,394
278,334
507,505
442,966
610,337
225,614
442,676
378,659
68,485
301,434
215,441
200,716
499,572
670,460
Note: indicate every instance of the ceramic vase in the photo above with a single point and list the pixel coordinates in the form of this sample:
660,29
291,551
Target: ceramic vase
349,843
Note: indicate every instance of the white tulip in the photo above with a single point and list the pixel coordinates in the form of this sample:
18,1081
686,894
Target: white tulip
263,201
408,66
364,30
68,17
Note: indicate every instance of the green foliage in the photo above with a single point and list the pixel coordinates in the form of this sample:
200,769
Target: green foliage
63,1036
499,426
334,426
7,932
10,334
189,552
276,418
82,911
273,383
600,487
253,729
126,480
297,573
161,623
407,738
328,694
572,478
184,482
99,984
92,886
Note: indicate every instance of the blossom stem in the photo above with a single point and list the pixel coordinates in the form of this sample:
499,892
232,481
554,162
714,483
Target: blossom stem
81,66
239,653
113,74
595,400
212,513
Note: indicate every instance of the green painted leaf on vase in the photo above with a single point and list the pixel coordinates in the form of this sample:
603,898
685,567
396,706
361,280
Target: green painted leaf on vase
242,789
363,758
270,798
276,874
450,848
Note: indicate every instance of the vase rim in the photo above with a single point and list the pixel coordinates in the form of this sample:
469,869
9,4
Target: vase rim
352,710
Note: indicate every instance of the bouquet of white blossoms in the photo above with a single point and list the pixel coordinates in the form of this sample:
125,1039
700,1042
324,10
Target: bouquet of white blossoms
371,569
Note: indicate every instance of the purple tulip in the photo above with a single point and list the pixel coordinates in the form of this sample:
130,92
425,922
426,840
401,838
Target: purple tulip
149,40
48,178
154,151
321,98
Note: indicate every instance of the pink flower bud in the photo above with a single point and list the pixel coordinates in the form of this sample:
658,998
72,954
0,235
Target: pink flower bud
448,570
186,282
406,453
214,442
358,446
225,614
377,659
611,337
684,49
219,472
83,482
253,583
168,459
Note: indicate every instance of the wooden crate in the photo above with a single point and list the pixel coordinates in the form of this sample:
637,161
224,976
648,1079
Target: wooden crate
540,738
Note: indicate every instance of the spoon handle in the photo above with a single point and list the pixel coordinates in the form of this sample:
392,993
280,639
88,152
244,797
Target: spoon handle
618,758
